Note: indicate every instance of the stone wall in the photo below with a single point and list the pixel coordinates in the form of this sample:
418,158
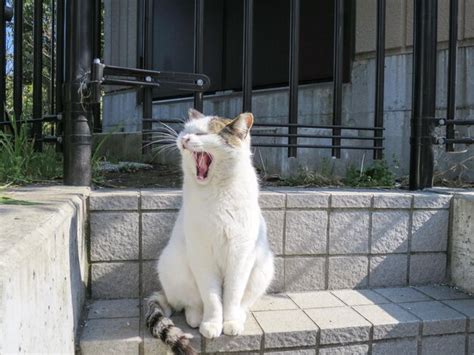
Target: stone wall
43,270
322,239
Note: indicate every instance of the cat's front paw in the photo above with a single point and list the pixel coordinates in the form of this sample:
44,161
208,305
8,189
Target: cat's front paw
210,329
233,327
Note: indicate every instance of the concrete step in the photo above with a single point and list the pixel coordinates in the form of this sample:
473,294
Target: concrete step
407,320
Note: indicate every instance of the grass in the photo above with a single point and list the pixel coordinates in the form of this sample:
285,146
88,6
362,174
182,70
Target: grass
376,175
11,201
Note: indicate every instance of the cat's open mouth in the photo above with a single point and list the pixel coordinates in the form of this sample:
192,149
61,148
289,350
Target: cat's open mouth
203,161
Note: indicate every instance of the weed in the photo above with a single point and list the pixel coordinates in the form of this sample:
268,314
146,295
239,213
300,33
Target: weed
307,177
376,175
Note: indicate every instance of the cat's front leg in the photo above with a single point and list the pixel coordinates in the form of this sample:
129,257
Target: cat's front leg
239,265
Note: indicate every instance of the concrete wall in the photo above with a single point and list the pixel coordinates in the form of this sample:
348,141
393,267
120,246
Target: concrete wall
322,239
43,270
121,110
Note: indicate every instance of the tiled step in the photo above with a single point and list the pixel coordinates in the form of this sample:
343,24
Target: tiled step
421,320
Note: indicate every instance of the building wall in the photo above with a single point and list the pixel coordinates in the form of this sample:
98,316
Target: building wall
123,113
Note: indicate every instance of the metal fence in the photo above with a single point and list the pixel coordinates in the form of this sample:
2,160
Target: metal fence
77,75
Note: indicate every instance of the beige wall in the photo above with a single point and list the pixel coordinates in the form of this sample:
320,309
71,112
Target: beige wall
399,24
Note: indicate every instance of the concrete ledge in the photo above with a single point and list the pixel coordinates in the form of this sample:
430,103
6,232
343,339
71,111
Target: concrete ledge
43,269
325,322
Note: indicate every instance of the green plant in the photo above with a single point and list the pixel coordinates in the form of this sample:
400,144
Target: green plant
20,164
307,177
376,175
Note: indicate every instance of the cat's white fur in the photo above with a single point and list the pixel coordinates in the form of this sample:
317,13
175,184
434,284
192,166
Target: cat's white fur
218,261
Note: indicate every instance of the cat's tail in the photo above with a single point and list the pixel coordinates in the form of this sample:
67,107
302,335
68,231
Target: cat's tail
162,327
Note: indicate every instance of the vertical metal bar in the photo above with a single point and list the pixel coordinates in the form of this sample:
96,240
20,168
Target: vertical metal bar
38,73
379,78
337,73
59,89
77,169
18,61
293,74
2,59
247,57
452,54
198,48
147,64
424,93
95,107
52,52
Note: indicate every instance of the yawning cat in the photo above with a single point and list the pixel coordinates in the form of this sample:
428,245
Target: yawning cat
218,261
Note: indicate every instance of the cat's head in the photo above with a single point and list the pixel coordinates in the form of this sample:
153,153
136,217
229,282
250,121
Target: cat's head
211,145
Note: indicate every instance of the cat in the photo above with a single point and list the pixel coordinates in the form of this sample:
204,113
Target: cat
217,262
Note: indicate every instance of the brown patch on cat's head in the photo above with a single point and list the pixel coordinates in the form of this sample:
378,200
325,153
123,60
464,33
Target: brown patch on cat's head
232,131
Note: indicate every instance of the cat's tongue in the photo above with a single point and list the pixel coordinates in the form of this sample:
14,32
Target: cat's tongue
203,160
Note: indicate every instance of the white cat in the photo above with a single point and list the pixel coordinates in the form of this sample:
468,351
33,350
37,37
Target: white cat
218,261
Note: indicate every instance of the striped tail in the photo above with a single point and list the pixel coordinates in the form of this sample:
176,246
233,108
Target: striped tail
163,328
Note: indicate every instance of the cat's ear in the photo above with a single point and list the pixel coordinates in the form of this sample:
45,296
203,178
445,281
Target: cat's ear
241,124
194,114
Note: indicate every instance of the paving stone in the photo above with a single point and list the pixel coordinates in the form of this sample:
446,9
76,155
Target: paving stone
359,297
470,344
465,307
427,269
286,328
293,352
275,221
350,199
430,230
114,236
150,281
392,200
110,336
360,349
307,199
442,292
154,346
316,299
395,347
113,308
306,232
156,231
339,325
402,294
161,199
431,200
437,318
250,339
276,302
390,321
114,280
388,270
442,345
278,282
305,273
270,199
110,200
349,232
348,272
390,231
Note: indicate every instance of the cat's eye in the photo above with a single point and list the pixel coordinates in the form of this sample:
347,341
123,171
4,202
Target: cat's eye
200,133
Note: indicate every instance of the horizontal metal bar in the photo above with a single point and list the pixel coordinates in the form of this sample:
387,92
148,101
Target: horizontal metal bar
318,126
48,118
313,136
159,120
276,145
459,122
458,141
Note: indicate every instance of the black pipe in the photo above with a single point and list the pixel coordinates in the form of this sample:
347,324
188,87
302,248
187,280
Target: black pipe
379,77
77,167
338,44
293,74
96,50
147,104
198,48
452,52
247,57
18,61
424,94
52,52
2,60
38,73
59,86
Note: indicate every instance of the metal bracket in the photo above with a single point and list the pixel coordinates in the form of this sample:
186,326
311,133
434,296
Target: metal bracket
103,74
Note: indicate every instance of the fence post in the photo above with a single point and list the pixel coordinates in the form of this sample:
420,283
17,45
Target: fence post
424,94
77,132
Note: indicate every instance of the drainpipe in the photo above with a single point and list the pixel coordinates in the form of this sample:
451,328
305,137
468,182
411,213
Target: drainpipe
77,130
